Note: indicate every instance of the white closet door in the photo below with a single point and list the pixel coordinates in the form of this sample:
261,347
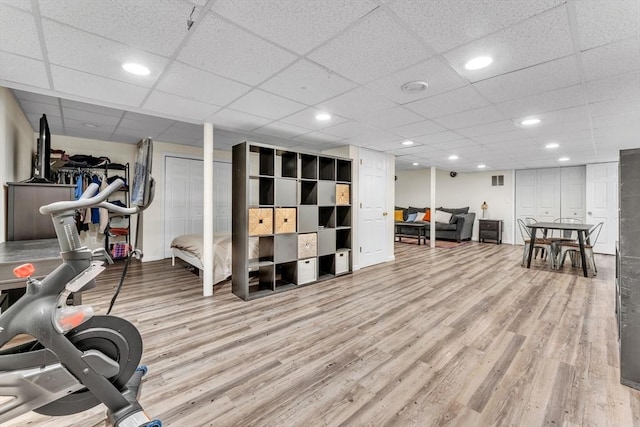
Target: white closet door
602,203
222,197
526,197
573,192
548,201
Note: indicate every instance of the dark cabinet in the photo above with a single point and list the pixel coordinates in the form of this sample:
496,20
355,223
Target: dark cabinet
490,229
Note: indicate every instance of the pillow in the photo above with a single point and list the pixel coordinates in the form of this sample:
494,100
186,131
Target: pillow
442,216
455,211
414,210
419,217
398,215
427,215
411,217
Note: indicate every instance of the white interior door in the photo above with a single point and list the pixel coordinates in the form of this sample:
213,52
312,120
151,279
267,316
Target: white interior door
548,195
222,197
526,197
573,193
602,203
372,195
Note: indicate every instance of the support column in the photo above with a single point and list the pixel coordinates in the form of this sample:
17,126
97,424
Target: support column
432,204
207,197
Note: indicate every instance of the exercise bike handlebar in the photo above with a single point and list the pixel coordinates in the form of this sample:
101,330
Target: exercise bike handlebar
88,200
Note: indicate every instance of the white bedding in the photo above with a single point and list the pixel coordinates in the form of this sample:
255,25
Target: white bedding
192,245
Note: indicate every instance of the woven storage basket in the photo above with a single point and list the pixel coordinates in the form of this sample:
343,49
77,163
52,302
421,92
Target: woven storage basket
260,221
307,245
285,220
342,194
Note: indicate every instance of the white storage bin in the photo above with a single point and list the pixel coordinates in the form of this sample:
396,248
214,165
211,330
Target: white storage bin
307,271
342,262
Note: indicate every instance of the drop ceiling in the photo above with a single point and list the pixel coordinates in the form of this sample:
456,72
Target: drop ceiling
261,70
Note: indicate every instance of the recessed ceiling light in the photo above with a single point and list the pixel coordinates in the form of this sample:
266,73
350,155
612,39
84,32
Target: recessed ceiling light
552,145
482,166
415,164
416,86
323,117
407,142
478,63
530,122
453,157
91,125
137,69
563,159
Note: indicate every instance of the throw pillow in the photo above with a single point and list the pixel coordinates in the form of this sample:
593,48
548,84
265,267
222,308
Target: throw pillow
398,215
427,215
441,216
455,211
419,217
411,217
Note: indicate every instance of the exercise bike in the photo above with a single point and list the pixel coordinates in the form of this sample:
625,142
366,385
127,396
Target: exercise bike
78,360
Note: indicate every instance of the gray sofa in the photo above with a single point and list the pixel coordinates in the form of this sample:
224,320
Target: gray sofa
459,228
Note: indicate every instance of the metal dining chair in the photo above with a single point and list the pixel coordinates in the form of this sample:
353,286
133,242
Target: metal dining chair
573,248
540,244
529,220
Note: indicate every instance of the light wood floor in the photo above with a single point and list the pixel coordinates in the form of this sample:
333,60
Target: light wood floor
460,337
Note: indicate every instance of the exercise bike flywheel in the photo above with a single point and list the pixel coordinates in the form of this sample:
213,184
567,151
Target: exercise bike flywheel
114,337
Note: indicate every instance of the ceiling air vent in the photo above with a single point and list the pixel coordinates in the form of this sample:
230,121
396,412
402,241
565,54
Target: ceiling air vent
497,180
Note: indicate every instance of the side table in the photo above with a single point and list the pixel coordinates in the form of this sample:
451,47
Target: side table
490,229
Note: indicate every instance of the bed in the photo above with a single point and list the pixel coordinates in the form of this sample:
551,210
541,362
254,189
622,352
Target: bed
188,248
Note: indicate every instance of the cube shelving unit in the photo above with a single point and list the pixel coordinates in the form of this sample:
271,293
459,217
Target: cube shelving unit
308,237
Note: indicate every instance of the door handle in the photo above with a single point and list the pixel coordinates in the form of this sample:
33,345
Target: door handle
384,214
589,213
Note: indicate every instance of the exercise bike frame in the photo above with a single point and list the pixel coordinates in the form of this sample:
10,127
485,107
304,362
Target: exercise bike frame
38,377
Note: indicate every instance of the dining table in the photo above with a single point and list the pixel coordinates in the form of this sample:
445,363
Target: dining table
581,229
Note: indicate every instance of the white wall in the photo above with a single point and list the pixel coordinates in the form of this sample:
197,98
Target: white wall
17,145
466,189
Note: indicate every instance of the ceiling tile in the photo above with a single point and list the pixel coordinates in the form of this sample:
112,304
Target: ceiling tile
435,72
195,84
399,150
621,86
39,108
539,39
307,83
600,22
90,117
54,122
516,135
372,48
20,4
315,137
215,40
460,144
176,106
392,118
36,97
77,130
263,104
19,33
487,129
612,59
89,86
157,27
614,106
437,137
185,130
347,129
470,118
628,121
299,26
307,119
530,81
455,101
358,103
372,138
230,119
96,109
25,71
79,125
455,22
554,100
146,124
424,127
82,51
281,130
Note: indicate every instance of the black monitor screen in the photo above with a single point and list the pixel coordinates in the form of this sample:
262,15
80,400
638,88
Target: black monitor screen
44,150
141,192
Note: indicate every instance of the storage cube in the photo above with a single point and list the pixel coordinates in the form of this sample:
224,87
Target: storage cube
326,193
342,194
307,218
260,221
307,245
342,262
285,220
286,192
307,271
326,242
